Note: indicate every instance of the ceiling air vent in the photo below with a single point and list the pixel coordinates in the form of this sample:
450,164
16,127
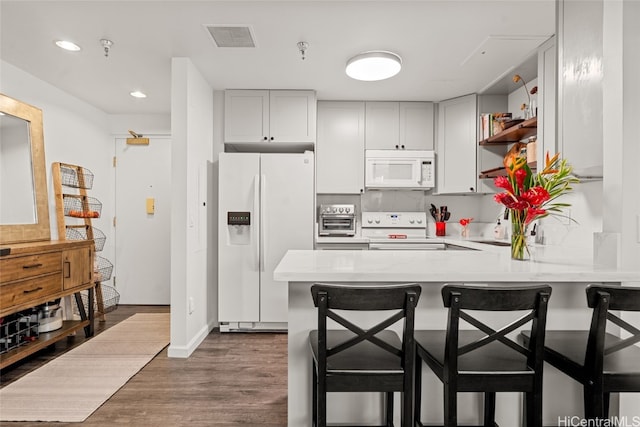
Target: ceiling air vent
231,35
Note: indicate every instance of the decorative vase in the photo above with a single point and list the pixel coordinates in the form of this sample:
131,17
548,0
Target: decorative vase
464,232
519,248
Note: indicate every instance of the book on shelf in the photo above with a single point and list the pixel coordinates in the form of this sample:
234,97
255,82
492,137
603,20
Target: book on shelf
493,123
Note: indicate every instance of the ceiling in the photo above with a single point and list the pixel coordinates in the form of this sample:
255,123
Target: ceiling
449,48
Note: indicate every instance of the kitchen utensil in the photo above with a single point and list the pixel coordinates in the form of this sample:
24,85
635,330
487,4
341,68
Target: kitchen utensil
433,211
447,215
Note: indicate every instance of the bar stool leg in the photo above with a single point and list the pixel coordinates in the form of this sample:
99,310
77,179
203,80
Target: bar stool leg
389,408
489,409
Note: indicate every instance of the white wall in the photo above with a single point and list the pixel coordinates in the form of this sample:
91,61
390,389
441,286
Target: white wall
191,213
74,132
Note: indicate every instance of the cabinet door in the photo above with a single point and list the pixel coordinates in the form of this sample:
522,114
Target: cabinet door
416,125
547,99
456,153
580,93
77,267
246,116
292,116
382,125
340,147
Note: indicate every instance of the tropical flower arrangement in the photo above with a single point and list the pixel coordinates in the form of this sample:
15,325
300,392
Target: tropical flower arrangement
530,196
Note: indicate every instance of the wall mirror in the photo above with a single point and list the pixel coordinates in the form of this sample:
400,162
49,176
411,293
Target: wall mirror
24,203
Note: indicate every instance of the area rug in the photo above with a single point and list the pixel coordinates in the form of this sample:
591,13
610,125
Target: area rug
75,384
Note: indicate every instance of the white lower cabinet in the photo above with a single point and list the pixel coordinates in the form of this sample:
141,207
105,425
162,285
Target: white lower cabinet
456,160
340,147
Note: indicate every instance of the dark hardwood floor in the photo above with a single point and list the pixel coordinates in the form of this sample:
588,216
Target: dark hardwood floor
237,379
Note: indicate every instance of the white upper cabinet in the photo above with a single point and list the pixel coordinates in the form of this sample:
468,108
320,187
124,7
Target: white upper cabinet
399,126
340,147
456,145
580,93
382,126
269,116
416,125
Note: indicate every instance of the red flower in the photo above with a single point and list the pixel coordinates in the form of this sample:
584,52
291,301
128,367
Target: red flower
465,221
535,196
503,182
521,175
533,213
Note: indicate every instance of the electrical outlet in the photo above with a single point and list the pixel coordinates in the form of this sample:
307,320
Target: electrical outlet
191,305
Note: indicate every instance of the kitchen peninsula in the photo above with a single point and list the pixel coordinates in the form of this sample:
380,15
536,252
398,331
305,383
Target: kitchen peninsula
568,273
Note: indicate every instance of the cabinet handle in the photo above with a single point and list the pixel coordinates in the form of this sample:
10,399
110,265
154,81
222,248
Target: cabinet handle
39,288
397,147
471,189
67,269
272,138
26,267
403,146
265,138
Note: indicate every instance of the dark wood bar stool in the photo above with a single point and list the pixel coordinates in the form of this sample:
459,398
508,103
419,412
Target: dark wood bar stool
356,359
484,359
602,362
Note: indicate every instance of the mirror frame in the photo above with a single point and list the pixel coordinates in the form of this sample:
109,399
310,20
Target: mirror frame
19,233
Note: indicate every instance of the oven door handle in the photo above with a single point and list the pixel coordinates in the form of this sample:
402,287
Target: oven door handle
407,246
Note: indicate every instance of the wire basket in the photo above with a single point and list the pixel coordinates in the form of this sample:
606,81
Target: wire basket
110,299
82,232
71,178
102,268
18,329
78,206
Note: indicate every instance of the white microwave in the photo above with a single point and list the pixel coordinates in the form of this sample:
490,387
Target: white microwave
406,169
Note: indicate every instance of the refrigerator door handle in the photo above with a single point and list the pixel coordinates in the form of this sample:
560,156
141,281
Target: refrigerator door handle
263,214
256,204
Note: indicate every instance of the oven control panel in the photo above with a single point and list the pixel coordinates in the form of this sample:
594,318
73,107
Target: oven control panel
394,219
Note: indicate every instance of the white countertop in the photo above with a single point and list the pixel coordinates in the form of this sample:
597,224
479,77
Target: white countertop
549,264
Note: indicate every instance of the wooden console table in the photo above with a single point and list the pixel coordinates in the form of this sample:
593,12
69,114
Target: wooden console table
35,273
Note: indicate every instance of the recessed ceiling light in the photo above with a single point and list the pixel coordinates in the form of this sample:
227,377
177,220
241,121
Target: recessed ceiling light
138,94
374,65
67,45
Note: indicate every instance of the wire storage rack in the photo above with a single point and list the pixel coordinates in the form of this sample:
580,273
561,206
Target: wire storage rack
82,232
110,299
83,210
79,206
76,176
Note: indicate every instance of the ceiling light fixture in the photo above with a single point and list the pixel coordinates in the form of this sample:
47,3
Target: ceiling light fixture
374,65
67,45
138,94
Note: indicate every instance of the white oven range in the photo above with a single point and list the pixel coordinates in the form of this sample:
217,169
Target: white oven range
398,231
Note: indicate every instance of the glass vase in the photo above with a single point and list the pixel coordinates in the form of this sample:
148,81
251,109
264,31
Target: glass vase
519,248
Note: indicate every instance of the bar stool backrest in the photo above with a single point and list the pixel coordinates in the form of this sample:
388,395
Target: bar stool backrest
603,300
459,299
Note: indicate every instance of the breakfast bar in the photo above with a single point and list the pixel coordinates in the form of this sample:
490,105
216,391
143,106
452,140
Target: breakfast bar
566,271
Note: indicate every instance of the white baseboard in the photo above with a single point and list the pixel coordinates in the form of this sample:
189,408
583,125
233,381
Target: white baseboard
185,351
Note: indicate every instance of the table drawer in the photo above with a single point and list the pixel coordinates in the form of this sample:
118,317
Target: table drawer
29,266
28,290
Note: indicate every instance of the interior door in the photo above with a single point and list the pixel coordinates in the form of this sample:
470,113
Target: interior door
143,221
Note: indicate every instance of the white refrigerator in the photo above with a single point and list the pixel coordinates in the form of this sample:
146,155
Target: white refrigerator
266,207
